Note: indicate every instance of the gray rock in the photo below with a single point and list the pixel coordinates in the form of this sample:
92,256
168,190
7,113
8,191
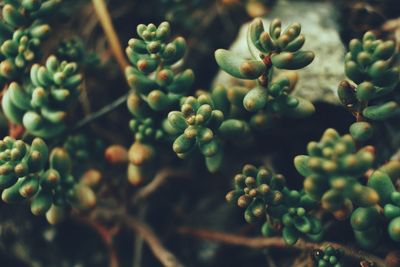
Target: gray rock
319,80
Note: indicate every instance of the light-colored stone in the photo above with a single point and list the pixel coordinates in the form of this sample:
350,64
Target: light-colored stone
319,80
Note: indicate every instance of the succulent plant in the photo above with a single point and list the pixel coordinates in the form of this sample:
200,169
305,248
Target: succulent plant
152,75
392,213
273,49
332,169
256,189
370,67
24,176
265,196
381,180
41,105
67,191
200,125
230,102
340,171
22,30
19,160
366,224
146,124
298,220
328,257
197,123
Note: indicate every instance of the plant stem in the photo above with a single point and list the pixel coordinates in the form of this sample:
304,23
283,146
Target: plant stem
276,242
107,237
266,78
270,260
105,21
101,112
138,241
359,116
159,179
166,258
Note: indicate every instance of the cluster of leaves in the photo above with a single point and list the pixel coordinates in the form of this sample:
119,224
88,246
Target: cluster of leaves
36,96
158,89
201,124
155,55
52,190
328,257
270,49
368,222
392,213
41,104
157,86
264,195
22,30
225,114
332,169
369,64
336,166
371,94
163,110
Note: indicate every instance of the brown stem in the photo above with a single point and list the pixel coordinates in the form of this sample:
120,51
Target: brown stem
107,237
160,178
304,259
359,116
138,241
15,130
105,21
276,242
84,99
270,260
264,78
166,258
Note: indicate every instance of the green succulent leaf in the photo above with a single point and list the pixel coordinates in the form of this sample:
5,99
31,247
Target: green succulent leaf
238,66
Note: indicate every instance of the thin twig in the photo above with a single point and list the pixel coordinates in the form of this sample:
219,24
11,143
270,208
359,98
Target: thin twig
303,260
138,242
84,99
101,112
270,260
160,178
107,237
276,242
106,23
166,258
137,252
